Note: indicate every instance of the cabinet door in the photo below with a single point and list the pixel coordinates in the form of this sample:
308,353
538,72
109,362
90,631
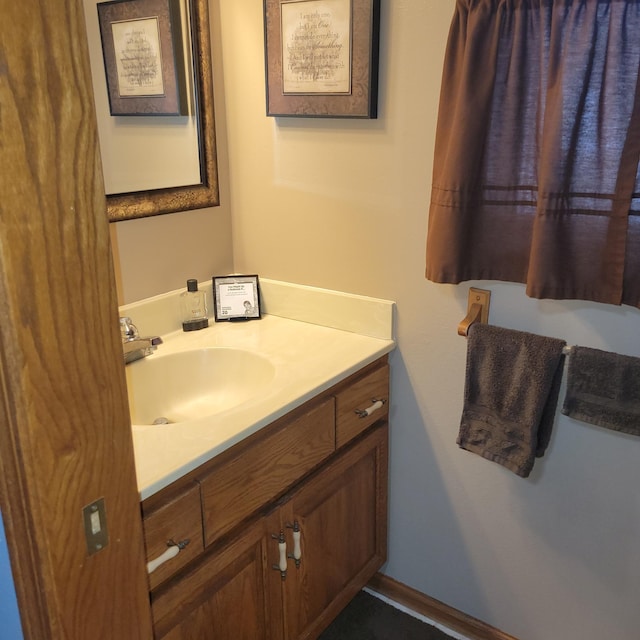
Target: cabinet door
224,597
342,516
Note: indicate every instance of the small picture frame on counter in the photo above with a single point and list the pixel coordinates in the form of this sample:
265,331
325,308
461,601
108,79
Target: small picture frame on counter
236,298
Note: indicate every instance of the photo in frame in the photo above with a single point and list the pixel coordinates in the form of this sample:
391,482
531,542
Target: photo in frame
236,298
142,46
321,57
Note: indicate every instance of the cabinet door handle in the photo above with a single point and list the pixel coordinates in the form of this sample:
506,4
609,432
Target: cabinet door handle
282,552
297,551
173,550
377,404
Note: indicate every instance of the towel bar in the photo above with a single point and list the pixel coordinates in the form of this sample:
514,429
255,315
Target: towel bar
478,311
474,316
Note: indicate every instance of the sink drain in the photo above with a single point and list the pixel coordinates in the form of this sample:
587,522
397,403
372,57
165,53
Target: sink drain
162,420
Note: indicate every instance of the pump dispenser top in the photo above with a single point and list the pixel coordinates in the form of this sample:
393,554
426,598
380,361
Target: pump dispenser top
193,307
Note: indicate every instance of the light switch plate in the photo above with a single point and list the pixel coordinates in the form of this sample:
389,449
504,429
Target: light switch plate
95,526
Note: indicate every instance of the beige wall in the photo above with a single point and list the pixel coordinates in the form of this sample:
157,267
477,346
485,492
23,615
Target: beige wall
343,204
158,254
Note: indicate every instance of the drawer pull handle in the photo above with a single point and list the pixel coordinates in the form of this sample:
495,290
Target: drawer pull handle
282,552
173,550
377,404
297,551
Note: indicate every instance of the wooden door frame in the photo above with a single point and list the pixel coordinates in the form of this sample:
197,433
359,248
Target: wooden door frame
65,439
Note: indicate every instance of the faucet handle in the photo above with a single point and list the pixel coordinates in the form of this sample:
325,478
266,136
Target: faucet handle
128,330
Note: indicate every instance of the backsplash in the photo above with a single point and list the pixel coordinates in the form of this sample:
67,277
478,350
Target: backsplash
372,317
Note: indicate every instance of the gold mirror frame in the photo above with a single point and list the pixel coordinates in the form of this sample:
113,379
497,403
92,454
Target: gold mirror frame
141,204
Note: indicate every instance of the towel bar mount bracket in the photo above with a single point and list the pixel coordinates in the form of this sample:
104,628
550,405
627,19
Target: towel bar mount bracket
477,309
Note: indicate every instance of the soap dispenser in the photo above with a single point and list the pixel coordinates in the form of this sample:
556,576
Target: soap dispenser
193,307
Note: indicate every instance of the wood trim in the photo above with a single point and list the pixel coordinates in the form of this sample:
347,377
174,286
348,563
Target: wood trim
435,610
65,440
15,502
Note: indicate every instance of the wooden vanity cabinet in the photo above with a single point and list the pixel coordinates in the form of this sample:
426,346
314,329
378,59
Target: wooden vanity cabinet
176,519
241,483
342,516
225,596
236,588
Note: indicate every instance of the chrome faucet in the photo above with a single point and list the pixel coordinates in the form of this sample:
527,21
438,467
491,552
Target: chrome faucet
133,346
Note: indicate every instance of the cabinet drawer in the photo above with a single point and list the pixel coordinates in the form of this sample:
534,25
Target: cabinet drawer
358,397
249,480
179,519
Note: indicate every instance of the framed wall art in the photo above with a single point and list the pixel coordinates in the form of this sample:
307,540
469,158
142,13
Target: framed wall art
236,298
142,45
321,57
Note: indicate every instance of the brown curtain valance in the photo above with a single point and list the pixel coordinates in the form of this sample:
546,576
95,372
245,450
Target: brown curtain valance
536,159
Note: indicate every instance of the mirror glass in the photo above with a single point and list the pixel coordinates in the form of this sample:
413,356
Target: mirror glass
155,164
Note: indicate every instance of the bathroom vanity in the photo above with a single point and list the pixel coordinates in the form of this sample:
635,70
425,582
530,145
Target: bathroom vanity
320,471
278,506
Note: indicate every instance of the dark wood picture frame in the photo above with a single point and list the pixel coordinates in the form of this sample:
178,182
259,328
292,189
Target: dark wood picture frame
167,94
236,298
292,28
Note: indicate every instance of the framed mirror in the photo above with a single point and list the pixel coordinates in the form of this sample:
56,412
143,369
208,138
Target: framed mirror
156,164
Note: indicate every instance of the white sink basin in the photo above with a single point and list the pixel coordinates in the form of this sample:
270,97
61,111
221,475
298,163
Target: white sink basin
194,384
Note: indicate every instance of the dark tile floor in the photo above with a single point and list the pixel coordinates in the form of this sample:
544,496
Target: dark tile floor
369,618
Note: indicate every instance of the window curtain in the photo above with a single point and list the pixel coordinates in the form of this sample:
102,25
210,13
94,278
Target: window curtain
535,174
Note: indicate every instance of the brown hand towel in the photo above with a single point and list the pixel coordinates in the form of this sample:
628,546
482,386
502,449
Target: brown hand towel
511,393
603,388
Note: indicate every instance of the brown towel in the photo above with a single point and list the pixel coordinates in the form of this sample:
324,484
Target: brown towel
603,388
511,393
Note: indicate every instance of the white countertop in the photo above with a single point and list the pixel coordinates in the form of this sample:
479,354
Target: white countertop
308,359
